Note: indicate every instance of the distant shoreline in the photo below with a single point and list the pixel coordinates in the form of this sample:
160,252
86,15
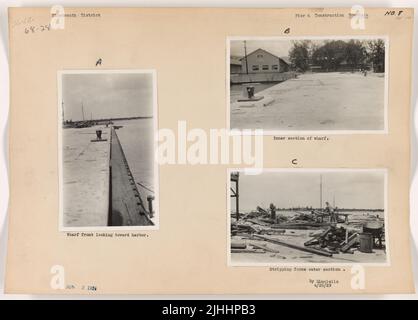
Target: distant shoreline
111,119
89,123
310,209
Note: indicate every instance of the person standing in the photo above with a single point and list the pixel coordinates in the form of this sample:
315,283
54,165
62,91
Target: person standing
272,211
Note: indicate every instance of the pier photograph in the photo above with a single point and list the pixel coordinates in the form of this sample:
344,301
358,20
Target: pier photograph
107,124
307,84
307,216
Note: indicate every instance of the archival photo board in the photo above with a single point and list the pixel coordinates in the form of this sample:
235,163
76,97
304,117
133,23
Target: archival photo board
267,154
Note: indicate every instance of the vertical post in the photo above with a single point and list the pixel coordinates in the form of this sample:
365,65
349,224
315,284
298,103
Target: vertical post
245,56
150,209
235,193
320,191
62,111
237,197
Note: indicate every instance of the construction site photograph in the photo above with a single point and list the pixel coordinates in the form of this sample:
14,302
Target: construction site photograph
336,84
307,216
107,124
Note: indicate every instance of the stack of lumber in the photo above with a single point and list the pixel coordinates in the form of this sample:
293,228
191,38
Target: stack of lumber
334,240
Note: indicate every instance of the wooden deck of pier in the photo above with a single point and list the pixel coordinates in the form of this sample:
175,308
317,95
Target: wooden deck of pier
127,206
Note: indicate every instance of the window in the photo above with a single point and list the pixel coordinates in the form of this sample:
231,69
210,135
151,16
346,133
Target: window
259,56
255,68
275,67
265,67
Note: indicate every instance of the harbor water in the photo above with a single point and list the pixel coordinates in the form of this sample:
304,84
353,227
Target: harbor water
137,140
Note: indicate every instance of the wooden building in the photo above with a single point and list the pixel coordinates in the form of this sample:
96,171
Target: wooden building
262,61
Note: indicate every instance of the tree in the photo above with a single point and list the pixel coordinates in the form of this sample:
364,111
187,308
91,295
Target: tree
377,54
355,54
299,55
330,55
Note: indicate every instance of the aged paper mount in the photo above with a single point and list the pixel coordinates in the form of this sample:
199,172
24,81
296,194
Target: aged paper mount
209,150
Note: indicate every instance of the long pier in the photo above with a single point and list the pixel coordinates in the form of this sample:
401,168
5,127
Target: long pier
126,207
98,187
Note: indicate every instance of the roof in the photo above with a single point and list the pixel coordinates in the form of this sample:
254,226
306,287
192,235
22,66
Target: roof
284,59
235,60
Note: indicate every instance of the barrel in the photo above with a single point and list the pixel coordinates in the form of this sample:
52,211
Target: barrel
238,244
366,242
373,227
253,85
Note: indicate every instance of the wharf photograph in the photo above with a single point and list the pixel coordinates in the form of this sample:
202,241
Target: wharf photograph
307,216
327,84
108,176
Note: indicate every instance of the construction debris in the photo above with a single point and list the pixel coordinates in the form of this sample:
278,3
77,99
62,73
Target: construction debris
334,240
294,246
331,233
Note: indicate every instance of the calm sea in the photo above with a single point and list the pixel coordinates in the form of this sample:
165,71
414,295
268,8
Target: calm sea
137,140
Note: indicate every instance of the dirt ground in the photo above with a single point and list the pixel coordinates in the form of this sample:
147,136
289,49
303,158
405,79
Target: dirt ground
318,101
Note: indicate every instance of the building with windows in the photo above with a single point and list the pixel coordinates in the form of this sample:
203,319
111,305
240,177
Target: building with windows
235,65
262,61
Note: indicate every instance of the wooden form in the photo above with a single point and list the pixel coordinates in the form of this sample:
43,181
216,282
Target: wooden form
295,246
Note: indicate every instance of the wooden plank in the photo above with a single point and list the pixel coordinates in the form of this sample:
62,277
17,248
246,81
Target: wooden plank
238,245
295,246
352,240
259,246
316,238
247,251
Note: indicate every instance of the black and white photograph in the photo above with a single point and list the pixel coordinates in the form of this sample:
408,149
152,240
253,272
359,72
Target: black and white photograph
288,85
107,124
307,216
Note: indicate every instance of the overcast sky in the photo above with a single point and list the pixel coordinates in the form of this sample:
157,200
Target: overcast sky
107,95
279,48
361,190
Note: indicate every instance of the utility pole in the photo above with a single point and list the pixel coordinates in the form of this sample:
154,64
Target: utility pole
245,56
82,109
235,193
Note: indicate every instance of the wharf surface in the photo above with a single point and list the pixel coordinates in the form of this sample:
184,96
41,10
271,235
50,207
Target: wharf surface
85,182
317,101
98,187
